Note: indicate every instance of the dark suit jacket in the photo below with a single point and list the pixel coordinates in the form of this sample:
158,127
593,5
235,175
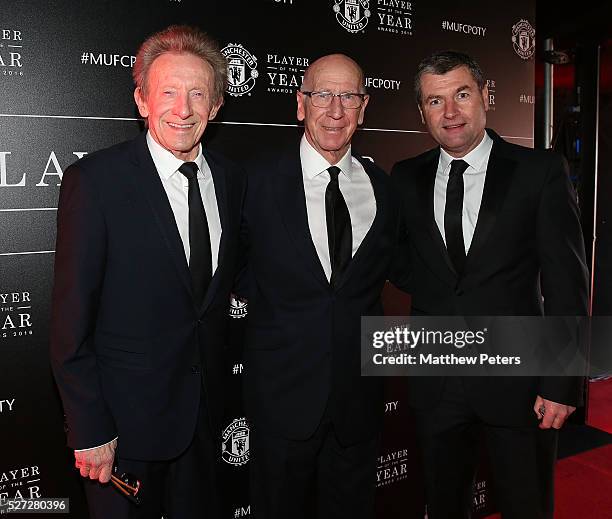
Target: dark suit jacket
129,347
303,337
527,243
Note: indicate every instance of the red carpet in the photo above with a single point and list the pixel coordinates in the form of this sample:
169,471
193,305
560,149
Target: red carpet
583,483
583,486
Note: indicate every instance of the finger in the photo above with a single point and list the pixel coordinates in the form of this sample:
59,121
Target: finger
94,472
105,473
558,422
560,419
78,460
547,420
539,404
84,470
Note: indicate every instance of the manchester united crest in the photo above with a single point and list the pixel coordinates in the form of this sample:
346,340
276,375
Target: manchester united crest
523,39
238,307
241,69
353,15
235,442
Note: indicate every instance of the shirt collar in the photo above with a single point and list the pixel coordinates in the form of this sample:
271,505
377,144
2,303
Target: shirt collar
314,164
476,159
166,163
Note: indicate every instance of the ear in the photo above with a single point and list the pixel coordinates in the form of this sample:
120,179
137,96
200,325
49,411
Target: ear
366,99
301,110
485,98
214,109
421,112
141,102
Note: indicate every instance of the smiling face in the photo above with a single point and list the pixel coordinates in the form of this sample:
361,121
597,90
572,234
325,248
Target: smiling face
329,130
454,110
178,102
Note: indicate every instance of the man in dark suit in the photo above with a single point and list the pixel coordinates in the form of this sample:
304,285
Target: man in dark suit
319,223
146,253
491,229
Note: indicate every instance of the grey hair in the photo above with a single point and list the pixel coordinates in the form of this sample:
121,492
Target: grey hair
181,39
441,63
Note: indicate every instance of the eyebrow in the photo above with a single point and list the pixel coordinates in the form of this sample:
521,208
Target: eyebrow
461,88
464,87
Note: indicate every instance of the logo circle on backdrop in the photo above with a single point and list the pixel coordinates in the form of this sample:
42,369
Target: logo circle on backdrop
523,39
353,15
238,307
241,69
235,442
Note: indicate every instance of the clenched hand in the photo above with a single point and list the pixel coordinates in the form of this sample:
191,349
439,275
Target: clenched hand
96,463
551,413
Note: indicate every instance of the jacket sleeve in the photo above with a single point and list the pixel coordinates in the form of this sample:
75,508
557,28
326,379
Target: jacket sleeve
400,271
79,276
564,274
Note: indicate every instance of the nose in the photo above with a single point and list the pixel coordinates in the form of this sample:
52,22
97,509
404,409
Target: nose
182,105
335,109
450,109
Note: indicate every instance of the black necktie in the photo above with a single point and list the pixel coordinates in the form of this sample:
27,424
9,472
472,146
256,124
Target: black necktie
200,257
339,235
453,228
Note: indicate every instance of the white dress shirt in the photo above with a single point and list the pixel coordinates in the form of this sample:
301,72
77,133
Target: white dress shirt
473,187
176,186
356,189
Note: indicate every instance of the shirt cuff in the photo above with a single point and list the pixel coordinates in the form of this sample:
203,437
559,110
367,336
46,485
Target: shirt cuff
90,448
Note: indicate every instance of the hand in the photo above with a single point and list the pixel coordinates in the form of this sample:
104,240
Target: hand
554,414
96,463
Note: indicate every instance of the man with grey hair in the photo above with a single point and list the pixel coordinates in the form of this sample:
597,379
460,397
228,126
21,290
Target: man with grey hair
145,259
319,225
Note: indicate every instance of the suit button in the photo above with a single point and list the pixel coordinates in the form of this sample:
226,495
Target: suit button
195,369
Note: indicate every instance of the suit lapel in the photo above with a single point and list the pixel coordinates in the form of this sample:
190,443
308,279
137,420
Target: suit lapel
291,200
425,188
497,181
220,182
377,226
148,183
